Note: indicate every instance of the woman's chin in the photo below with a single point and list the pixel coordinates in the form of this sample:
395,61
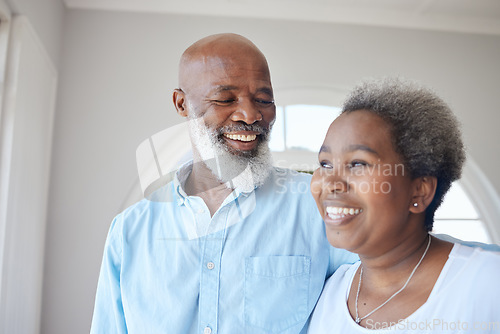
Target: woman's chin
340,239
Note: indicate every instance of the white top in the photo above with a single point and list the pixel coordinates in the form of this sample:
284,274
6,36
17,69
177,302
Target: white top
465,299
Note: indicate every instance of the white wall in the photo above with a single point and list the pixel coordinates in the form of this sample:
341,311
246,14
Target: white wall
26,143
118,71
27,100
47,19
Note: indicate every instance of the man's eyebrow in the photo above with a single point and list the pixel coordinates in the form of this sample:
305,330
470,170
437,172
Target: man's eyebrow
359,147
223,88
265,90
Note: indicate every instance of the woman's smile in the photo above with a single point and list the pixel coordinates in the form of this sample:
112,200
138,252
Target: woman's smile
338,215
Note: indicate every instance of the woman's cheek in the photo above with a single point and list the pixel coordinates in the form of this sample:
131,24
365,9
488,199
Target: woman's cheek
316,184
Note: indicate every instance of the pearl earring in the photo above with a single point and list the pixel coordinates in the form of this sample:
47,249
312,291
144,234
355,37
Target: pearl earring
415,204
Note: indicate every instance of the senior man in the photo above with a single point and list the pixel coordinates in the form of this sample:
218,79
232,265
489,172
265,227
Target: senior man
238,247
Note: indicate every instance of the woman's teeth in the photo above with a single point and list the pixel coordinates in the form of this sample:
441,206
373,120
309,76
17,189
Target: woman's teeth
335,212
240,137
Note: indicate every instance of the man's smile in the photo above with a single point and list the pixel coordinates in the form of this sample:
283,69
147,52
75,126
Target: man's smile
244,138
243,141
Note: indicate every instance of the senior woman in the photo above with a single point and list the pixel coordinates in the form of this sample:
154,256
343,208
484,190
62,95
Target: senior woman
385,165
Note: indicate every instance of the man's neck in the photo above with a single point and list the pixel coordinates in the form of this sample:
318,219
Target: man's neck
201,182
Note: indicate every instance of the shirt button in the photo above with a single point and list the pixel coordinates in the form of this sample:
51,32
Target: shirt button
210,265
200,211
207,330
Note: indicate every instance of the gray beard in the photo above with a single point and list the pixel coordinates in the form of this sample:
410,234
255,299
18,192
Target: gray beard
238,170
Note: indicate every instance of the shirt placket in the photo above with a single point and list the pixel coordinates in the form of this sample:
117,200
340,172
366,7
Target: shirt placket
210,275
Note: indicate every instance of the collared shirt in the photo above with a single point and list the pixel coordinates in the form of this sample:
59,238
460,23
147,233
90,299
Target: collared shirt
257,266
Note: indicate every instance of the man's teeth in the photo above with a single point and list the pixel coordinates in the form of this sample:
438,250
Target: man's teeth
240,137
339,212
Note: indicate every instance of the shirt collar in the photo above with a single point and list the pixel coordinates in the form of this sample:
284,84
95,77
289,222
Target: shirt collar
181,177
180,181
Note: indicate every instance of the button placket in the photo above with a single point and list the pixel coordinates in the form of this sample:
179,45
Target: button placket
210,278
202,220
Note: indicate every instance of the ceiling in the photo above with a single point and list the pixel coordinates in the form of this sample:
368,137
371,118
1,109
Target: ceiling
469,16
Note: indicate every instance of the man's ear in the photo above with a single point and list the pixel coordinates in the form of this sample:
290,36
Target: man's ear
423,193
179,99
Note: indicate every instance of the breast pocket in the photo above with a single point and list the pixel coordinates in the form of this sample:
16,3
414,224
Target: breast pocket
276,292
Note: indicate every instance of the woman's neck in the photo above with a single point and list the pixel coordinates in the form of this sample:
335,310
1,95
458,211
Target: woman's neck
385,274
388,268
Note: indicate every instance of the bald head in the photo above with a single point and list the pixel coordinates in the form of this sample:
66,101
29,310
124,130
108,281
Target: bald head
225,91
219,43
213,50
225,77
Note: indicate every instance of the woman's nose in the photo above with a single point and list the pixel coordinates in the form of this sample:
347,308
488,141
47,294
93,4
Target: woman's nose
335,180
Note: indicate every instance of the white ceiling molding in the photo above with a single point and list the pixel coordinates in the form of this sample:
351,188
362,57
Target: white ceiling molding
466,16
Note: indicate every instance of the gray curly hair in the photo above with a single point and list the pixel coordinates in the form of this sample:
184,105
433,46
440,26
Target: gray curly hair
425,132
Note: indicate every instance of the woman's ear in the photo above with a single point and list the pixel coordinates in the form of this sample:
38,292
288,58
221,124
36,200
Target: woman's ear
424,189
179,99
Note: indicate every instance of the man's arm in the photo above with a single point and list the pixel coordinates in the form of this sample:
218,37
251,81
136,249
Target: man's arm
108,311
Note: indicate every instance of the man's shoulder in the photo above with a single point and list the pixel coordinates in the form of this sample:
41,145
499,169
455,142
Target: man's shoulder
135,208
288,182
159,198
290,173
284,175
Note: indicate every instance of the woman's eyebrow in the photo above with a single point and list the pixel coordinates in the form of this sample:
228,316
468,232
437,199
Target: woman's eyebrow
360,147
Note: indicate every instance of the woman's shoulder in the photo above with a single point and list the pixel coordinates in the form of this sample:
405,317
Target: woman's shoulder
331,310
467,288
475,265
475,256
341,277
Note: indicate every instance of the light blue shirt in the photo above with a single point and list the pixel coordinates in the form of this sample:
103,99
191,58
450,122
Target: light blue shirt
257,266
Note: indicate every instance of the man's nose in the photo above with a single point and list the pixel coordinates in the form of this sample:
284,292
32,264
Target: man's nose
247,111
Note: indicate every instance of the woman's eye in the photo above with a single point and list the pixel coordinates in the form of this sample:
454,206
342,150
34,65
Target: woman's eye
356,163
324,164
